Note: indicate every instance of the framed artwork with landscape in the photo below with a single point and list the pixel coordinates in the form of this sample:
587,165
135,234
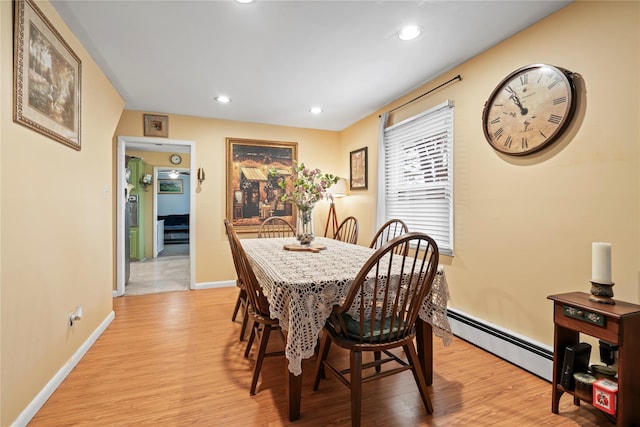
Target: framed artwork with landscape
47,77
358,169
170,186
254,168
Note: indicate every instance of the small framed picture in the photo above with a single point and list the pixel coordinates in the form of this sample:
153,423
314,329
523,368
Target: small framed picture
170,186
358,169
156,125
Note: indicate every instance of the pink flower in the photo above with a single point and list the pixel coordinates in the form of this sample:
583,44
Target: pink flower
308,185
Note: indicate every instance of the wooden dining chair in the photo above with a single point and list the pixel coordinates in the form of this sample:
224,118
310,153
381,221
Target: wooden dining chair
259,315
241,301
275,226
347,230
389,231
378,315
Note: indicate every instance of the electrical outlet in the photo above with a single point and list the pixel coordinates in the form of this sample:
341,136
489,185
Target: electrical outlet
75,315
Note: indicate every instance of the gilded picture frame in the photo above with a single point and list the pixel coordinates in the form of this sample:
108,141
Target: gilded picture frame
155,125
358,169
254,168
47,77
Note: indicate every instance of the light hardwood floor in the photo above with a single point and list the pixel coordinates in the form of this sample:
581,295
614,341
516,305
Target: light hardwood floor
174,359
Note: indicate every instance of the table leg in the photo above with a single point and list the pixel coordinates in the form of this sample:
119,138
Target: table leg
424,342
293,387
294,393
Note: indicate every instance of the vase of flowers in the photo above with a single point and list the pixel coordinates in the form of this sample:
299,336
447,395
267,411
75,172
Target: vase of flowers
307,186
304,225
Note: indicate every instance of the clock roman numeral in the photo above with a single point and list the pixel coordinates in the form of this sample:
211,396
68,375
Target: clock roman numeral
543,135
508,89
560,100
497,134
525,143
507,142
555,119
552,85
524,79
496,120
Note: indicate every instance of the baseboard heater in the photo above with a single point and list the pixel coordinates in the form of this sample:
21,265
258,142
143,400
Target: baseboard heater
523,352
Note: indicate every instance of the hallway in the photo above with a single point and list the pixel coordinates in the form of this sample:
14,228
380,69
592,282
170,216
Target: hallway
169,272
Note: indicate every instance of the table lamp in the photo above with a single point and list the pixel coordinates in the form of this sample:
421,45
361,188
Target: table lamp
337,190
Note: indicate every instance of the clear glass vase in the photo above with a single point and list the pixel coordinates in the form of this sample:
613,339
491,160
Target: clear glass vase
304,225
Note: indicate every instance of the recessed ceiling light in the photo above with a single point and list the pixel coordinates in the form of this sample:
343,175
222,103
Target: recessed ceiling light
244,1
222,99
409,33
315,110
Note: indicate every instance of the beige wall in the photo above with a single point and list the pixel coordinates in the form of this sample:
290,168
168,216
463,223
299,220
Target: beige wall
524,226
56,241
213,258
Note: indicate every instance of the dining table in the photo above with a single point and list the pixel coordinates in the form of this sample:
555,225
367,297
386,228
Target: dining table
303,286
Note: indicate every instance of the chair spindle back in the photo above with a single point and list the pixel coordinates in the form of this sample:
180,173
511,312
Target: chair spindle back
348,230
386,296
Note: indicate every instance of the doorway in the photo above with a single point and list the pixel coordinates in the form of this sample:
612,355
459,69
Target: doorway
159,145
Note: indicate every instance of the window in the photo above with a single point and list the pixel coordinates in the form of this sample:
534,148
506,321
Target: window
418,174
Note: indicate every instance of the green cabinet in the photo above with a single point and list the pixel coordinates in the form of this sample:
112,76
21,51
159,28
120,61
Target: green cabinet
133,243
137,232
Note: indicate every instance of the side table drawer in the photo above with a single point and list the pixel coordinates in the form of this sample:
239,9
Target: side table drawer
583,321
584,315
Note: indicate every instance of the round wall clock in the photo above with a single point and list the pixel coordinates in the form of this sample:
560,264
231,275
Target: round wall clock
529,109
175,159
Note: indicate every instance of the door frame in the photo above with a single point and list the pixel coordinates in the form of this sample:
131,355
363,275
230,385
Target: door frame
151,144
156,171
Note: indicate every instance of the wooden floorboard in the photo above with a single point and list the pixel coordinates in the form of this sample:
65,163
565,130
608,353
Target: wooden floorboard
174,359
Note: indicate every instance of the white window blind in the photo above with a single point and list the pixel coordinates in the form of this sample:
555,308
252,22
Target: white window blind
418,171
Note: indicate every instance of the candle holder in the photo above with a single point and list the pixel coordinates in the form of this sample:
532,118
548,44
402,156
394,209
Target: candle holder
602,293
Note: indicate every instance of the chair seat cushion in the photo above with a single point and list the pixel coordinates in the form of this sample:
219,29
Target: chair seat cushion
378,333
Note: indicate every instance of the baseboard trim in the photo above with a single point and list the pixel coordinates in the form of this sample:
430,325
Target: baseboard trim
522,351
211,285
32,409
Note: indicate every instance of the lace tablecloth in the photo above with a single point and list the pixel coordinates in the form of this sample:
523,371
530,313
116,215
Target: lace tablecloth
303,287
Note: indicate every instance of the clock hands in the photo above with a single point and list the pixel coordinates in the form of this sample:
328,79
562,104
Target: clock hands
516,100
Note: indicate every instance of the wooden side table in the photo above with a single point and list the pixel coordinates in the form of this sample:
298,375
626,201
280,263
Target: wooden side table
619,324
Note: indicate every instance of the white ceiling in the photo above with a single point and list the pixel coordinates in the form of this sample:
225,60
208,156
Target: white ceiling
276,59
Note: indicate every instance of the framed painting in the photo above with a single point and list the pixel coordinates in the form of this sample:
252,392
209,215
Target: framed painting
254,169
47,77
155,125
358,171
170,186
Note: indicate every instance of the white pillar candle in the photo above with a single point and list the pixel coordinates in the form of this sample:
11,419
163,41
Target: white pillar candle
601,262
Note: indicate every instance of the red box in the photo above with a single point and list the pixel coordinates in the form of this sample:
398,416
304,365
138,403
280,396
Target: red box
605,395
